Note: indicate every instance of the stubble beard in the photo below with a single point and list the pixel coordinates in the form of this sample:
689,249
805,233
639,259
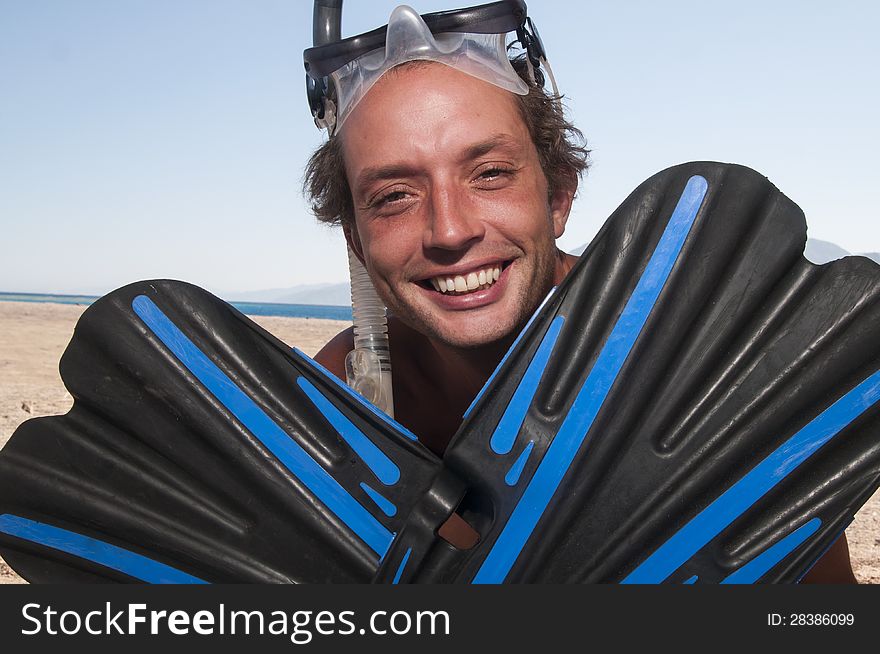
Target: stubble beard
530,293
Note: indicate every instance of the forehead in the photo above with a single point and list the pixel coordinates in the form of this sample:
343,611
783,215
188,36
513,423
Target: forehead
424,109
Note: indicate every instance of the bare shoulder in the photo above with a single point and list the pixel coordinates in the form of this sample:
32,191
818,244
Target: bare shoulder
332,355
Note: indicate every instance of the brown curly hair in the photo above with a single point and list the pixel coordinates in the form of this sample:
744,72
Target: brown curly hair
562,150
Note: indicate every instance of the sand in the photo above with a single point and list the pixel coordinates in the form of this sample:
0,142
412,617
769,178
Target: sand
33,337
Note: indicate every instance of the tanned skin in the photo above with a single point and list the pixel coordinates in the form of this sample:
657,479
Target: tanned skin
445,180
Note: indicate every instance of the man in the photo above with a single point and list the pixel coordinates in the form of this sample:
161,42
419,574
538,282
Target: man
442,192
452,191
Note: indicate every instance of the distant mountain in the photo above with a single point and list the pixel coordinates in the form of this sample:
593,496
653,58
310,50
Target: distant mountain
322,294
816,251
823,251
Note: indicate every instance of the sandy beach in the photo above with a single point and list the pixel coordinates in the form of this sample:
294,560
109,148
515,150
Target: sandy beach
33,337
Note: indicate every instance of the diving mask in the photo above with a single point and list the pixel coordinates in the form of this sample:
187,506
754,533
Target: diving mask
470,40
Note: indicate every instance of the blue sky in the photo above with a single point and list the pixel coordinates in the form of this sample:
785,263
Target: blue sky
167,138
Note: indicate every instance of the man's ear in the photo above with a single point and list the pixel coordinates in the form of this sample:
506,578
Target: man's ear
354,241
560,206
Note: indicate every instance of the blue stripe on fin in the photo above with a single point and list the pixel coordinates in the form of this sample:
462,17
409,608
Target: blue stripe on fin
345,388
586,406
402,565
737,499
758,567
508,427
381,501
97,551
383,467
516,469
509,350
290,453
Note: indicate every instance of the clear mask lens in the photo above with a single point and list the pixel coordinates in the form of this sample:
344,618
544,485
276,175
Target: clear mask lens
483,56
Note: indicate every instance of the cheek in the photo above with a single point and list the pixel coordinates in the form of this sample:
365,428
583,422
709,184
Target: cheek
389,245
522,208
521,217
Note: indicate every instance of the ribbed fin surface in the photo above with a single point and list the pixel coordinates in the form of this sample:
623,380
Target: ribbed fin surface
696,403
710,393
200,444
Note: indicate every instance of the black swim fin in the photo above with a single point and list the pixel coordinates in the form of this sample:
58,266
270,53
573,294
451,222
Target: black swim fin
201,448
696,402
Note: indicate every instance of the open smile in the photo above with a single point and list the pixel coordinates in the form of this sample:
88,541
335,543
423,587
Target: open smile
465,283
481,286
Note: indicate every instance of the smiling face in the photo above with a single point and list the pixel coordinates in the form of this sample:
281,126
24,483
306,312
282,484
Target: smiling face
452,213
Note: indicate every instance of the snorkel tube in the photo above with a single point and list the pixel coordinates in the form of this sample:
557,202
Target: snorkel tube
368,365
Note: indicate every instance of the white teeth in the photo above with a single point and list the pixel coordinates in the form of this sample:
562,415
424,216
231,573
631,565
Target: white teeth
479,279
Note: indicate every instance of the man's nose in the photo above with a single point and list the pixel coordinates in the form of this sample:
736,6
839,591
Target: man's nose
452,223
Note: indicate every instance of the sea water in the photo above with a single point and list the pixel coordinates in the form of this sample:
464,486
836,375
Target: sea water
250,308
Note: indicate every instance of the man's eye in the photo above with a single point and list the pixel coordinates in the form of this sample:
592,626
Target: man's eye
388,198
491,174
392,197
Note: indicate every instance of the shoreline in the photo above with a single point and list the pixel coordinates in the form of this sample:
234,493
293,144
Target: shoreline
252,309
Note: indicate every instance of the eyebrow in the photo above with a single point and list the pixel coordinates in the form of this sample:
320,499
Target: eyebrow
374,174
496,141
